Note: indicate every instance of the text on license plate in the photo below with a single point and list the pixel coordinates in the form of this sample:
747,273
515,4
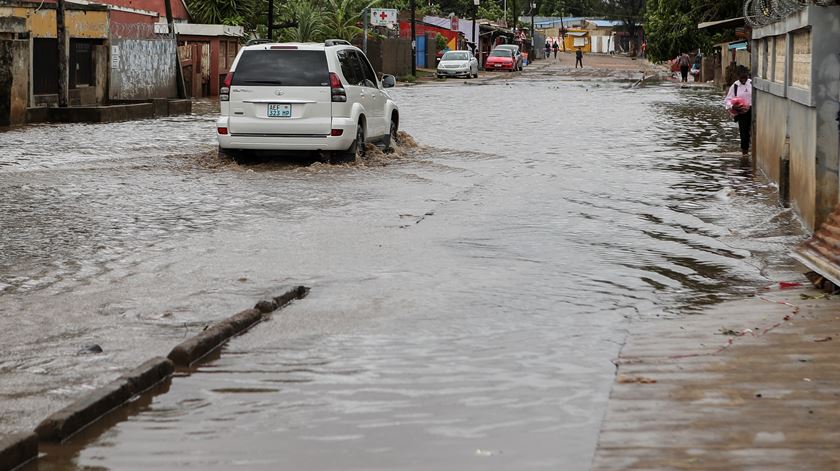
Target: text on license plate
279,111
498,65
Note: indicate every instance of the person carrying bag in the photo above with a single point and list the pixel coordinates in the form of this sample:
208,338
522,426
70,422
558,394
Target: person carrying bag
739,104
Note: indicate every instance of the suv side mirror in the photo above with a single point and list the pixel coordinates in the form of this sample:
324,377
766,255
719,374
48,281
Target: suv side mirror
388,81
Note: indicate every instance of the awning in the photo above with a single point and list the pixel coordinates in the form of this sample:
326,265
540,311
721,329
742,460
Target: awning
579,34
728,22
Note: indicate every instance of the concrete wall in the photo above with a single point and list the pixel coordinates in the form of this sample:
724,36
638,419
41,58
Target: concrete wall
797,97
771,128
142,69
803,172
91,24
14,81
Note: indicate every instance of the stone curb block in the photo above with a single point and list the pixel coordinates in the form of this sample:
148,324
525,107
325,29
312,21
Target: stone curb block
193,349
17,449
86,410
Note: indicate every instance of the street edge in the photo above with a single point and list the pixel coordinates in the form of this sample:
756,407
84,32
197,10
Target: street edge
86,410
195,348
17,449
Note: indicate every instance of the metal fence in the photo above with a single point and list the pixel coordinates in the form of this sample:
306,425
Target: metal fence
763,12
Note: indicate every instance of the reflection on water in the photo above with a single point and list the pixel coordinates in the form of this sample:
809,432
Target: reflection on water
467,298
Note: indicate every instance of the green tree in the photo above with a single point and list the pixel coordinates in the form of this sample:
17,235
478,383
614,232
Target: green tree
238,12
671,25
342,17
309,22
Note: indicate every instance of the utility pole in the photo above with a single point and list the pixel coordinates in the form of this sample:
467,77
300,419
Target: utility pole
562,31
413,38
180,87
475,35
365,12
515,16
61,36
271,20
533,33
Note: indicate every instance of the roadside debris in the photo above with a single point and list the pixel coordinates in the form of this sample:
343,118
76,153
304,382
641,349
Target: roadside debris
815,296
823,339
635,379
735,333
90,349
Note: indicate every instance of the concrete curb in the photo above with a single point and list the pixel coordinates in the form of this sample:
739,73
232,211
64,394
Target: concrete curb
86,410
17,449
193,349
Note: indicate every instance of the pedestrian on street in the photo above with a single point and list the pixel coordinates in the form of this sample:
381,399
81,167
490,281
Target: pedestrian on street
685,64
556,48
547,49
644,48
578,58
739,103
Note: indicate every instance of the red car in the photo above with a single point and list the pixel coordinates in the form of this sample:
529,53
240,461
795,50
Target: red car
500,59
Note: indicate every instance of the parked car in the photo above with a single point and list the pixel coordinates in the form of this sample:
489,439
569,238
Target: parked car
457,63
305,97
500,59
517,54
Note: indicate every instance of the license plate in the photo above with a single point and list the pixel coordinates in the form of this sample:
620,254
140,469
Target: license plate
279,111
497,65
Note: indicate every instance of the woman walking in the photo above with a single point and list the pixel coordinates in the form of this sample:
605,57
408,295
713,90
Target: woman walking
739,103
556,48
685,65
547,49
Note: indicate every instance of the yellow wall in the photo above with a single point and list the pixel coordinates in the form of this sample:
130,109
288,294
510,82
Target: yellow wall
570,40
80,24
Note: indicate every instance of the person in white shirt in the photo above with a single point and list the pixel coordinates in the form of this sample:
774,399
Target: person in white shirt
739,103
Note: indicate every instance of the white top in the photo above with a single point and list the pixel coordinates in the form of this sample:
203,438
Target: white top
744,91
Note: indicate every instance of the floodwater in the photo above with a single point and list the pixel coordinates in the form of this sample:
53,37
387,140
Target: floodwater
468,295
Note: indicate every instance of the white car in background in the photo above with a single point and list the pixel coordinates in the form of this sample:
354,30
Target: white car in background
457,64
305,97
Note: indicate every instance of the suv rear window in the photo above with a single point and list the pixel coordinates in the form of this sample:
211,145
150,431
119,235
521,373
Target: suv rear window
289,68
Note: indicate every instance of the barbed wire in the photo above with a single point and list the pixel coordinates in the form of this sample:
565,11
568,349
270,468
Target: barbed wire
763,12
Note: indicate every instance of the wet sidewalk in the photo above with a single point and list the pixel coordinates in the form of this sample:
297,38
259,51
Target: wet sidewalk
750,384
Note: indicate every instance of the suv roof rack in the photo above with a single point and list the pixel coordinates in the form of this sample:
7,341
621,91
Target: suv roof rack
337,42
254,42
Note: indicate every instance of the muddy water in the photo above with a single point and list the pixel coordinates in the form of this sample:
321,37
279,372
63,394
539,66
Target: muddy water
467,295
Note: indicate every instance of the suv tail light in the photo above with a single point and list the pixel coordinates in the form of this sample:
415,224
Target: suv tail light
337,89
224,92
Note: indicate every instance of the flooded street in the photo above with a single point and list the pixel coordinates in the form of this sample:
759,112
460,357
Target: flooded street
467,295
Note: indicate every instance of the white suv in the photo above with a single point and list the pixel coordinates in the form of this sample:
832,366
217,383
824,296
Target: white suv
305,97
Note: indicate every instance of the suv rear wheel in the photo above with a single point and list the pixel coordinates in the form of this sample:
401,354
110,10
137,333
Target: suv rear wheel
357,149
230,154
391,139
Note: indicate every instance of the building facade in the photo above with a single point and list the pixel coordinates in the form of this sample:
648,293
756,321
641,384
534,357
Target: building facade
796,77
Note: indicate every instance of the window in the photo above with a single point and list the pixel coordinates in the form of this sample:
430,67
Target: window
367,70
346,58
289,68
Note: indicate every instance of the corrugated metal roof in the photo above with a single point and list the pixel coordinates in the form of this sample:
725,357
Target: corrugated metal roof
821,253
606,23
550,22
